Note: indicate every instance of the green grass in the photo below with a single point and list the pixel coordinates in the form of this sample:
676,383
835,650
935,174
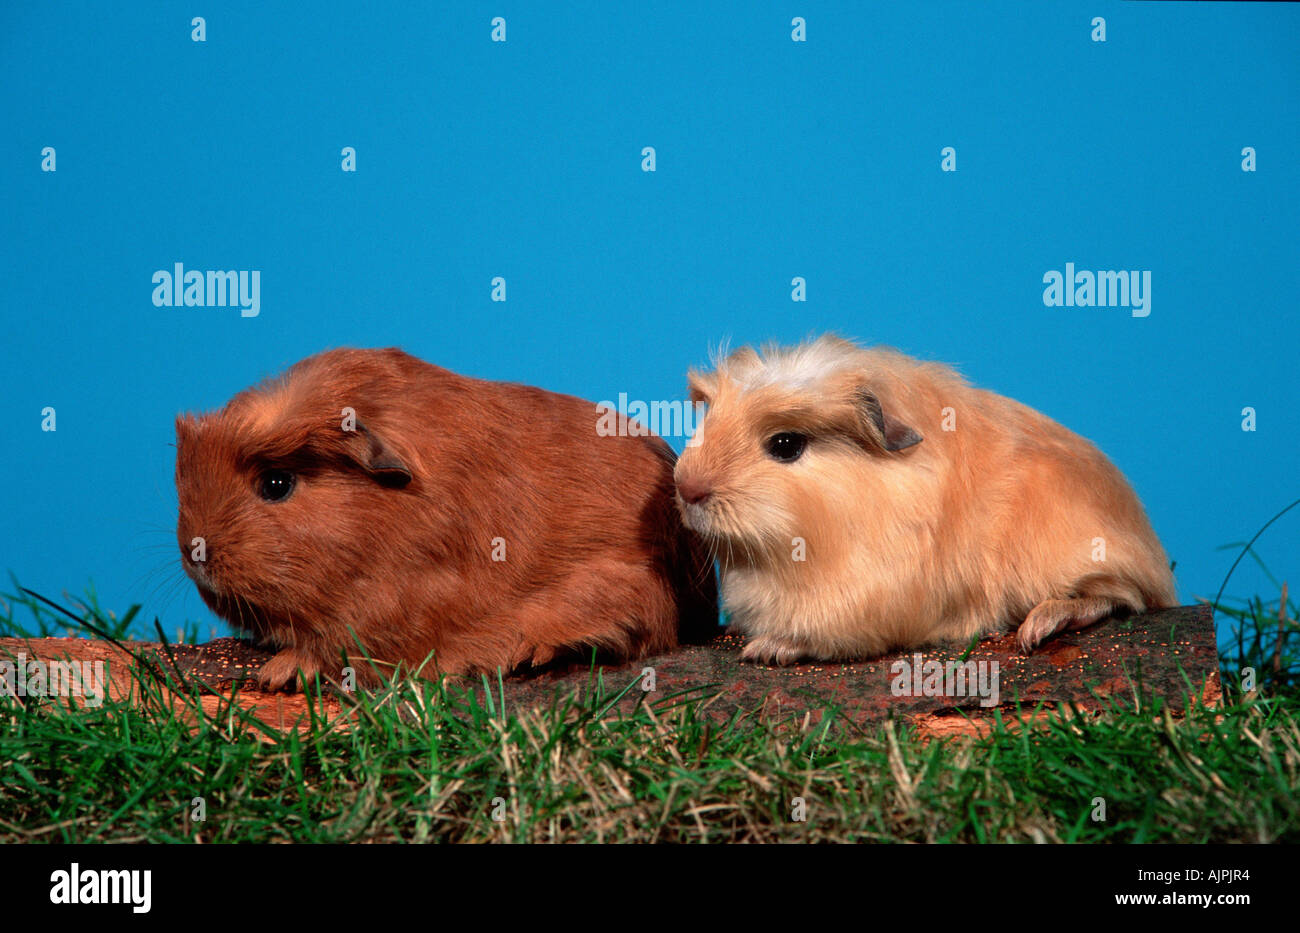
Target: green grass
425,762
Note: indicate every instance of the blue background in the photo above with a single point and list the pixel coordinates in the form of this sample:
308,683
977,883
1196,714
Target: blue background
775,159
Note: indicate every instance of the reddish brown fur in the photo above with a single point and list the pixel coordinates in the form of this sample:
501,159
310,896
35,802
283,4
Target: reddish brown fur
596,556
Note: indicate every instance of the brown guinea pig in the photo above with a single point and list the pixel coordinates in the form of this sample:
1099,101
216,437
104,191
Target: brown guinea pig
860,501
369,498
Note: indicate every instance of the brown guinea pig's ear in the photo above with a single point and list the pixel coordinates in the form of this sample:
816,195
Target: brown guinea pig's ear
379,460
880,426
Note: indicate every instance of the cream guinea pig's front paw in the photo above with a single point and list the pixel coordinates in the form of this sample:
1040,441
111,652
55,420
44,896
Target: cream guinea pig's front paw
772,649
281,672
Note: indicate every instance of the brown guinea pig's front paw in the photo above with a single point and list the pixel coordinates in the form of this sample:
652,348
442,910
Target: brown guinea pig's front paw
281,672
769,649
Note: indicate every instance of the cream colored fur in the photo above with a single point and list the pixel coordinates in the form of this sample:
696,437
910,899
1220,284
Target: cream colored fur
991,525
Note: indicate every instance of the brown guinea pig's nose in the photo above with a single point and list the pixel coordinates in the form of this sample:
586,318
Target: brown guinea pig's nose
693,491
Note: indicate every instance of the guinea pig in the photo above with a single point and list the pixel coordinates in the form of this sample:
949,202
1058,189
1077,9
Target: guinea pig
860,501
369,501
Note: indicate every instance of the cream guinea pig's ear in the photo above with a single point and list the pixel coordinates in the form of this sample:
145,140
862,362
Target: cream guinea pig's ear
701,387
878,426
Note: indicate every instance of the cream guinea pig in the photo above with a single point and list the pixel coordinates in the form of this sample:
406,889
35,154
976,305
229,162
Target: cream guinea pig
848,522
367,496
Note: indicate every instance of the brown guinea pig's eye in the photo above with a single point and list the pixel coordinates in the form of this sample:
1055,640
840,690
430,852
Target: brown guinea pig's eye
276,485
786,446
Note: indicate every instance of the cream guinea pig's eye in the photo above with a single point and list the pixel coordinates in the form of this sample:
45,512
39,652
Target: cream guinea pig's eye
786,446
275,485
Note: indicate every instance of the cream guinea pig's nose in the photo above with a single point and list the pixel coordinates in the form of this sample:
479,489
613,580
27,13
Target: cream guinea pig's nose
693,491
